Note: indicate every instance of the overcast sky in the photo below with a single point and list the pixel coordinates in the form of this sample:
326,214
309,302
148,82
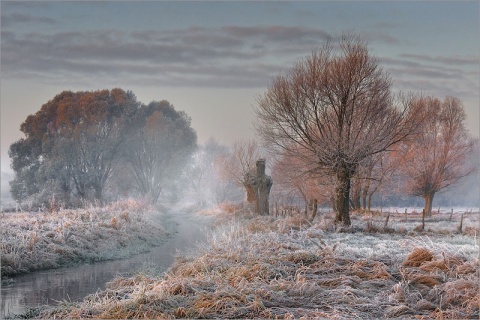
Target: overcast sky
212,59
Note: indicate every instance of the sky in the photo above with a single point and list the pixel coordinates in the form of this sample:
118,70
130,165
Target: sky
214,59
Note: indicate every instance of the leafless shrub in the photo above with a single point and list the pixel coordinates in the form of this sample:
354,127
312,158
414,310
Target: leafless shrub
371,227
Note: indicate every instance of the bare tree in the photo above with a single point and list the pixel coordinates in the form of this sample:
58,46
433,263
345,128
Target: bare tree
435,158
292,180
241,162
378,173
160,148
332,110
206,184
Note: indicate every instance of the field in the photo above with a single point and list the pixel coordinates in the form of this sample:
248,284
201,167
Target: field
36,241
289,267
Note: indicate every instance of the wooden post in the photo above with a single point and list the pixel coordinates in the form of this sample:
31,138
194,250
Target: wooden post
386,222
423,219
460,227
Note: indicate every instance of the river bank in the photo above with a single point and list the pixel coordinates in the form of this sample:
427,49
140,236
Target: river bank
289,267
37,290
41,241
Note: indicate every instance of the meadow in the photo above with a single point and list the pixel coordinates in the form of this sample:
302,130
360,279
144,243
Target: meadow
33,241
289,267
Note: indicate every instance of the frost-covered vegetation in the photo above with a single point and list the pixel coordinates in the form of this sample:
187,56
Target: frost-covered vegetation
290,267
35,241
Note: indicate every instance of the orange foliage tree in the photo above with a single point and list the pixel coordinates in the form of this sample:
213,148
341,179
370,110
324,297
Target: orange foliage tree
76,141
71,145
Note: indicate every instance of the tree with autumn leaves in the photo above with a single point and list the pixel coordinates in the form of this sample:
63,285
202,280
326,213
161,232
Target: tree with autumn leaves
77,140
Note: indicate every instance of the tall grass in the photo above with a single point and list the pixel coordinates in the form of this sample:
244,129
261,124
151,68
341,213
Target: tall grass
261,267
34,241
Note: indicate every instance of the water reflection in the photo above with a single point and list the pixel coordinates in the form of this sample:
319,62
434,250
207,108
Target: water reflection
74,283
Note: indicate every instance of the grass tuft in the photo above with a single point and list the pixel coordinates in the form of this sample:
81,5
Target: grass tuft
417,257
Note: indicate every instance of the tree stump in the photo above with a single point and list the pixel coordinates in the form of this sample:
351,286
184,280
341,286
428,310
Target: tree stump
258,186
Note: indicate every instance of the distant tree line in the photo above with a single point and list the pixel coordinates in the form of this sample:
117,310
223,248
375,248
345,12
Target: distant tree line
93,146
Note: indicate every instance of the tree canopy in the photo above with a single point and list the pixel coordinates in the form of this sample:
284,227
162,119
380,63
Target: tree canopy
73,144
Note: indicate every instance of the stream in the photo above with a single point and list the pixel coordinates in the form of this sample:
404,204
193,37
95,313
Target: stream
74,283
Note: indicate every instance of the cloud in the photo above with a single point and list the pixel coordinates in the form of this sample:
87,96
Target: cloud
447,60
9,21
277,33
433,75
224,56
379,37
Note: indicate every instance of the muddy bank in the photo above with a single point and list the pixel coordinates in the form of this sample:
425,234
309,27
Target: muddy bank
42,241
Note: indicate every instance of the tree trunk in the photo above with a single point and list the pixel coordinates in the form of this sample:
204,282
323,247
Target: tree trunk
98,193
263,191
251,197
369,203
333,203
364,200
428,203
314,209
356,205
258,186
342,192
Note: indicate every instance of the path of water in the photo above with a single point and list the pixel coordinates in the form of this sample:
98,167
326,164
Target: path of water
74,283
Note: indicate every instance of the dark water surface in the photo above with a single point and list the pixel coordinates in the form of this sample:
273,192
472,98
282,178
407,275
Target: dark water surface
74,283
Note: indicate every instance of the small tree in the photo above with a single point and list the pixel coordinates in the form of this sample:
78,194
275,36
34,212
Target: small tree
378,173
160,147
435,158
332,110
239,163
292,180
206,185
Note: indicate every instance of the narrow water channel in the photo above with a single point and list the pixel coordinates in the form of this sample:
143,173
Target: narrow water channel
74,283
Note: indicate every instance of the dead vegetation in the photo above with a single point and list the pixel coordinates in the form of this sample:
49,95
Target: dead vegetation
263,267
36,241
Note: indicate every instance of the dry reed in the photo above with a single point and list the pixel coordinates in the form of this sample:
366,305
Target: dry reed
35,241
282,268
